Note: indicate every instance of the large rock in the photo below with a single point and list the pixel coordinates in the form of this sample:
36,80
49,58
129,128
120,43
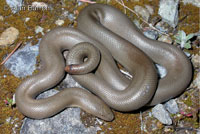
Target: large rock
14,5
22,62
168,10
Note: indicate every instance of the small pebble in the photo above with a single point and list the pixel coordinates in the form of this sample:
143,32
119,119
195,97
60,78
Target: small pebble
13,98
179,115
27,19
65,14
39,29
172,106
9,36
39,5
196,81
159,125
80,3
71,17
160,113
137,23
1,18
154,126
8,119
150,9
30,37
59,22
167,130
151,34
150,114
196,60
162,26
99,121
143,12
98,128
165,39
16,125
187,54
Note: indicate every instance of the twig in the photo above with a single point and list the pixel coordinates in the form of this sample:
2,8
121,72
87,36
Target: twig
123,6
88,1
185,128
141,18
18,45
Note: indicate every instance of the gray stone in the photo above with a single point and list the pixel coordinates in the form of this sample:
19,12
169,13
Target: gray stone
22,62
137,23
187,54
143,12
14,5
150,9
193,2
161,26
162,71
80,3
71,17
160,113
151,34
196,60
168,10
172,106
66,122
71,82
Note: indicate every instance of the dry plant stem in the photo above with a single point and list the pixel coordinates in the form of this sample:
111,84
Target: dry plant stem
122,4
18,45
91,2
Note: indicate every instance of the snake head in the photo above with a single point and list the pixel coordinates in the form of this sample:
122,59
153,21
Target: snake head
105,113
94,105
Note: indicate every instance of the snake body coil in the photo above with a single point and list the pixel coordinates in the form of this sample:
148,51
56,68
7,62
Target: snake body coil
112,35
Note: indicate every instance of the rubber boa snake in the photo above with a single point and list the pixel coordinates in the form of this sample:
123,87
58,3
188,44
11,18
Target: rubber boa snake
114,36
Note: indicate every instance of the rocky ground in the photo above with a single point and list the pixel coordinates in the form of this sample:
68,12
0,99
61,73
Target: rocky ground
172,21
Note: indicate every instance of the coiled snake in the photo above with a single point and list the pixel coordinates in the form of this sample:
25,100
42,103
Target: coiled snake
104,35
